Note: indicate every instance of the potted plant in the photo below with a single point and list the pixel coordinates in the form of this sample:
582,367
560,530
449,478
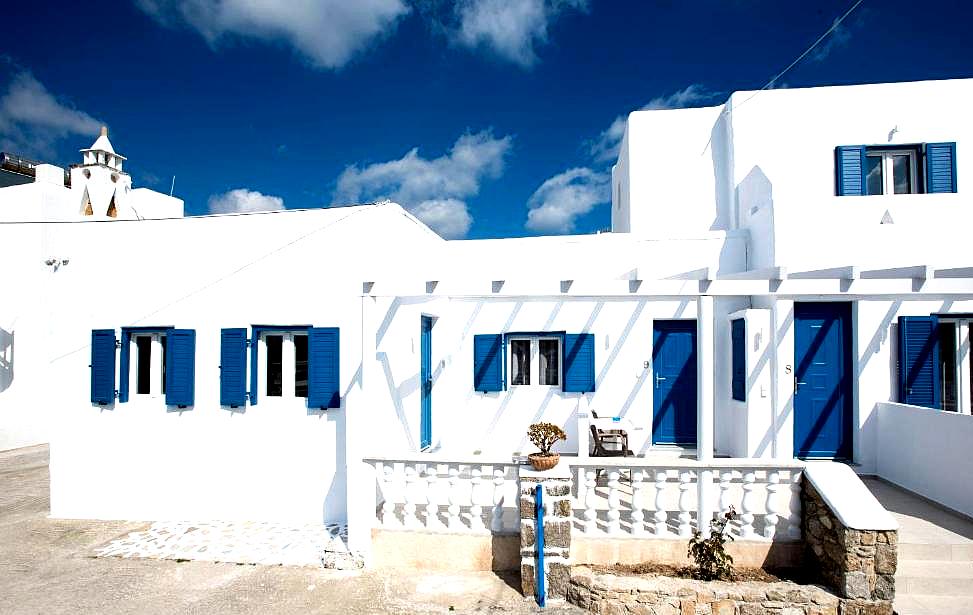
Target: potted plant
544,436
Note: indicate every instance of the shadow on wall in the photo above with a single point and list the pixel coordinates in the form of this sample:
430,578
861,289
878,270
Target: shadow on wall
6,359
755,198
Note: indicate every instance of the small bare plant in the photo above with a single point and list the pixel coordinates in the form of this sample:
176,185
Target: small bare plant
712,561
545,435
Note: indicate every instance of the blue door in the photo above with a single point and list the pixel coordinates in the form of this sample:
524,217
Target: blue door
425,384
822,383
674,378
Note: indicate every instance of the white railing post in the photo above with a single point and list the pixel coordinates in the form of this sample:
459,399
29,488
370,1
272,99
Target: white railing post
726,478
476,510
794,506
496,523
661,524
704,502
685,519
638,502
614,502
388,504
410,520
773,506
432,506
748,505
590,514
454,522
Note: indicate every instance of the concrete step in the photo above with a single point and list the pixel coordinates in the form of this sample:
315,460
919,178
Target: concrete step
934,578
922,604
933,551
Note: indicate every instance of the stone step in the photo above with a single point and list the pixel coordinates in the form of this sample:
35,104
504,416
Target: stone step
924,604
932,551
934,578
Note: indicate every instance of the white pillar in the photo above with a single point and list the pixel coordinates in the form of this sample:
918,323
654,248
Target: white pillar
155,365
288,361
783,375
705,368
963,365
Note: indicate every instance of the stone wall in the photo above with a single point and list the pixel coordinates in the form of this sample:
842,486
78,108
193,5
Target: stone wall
557,530
858,564
609,594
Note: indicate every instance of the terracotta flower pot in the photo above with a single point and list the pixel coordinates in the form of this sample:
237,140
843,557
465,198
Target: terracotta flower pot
542,462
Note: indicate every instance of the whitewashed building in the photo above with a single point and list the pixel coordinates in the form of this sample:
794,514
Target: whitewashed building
786,278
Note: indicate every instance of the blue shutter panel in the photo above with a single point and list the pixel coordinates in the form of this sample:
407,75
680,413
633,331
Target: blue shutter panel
180,367
233,367
849,165
254,345
919,361
940,167
102,366
488,362
739,348
579,362
323,368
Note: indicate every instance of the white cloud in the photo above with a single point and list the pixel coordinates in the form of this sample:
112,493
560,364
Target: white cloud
328,33
32,119
839,37
509,28
554,207
450,217
605,147
242,200
434,190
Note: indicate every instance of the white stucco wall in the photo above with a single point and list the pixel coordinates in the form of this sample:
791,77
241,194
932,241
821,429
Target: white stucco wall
906,437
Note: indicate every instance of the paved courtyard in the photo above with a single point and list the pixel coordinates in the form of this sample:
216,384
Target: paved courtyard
53,566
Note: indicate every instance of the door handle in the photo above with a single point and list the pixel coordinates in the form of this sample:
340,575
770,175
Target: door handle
658,378
797,384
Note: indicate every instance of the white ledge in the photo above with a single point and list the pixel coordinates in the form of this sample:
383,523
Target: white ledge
848,497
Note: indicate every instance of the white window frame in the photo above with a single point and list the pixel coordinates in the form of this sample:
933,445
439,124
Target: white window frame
535,360
288,364
888,180
156,365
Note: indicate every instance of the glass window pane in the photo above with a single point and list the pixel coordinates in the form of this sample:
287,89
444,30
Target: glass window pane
520,361
902,174
275,375
874,180
300,366
549,362
162,339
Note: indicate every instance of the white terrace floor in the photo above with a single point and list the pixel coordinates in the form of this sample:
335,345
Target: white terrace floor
935,566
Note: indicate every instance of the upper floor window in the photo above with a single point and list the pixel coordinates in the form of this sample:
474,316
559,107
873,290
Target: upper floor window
862,170
535,360
274,377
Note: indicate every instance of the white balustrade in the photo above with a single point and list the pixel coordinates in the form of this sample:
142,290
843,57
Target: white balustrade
432,506
614,503
660,515
496,522
454,522
410,520
773,507
638,502
685,504
590,500
794,507
476,510
388,505
748,505
726,479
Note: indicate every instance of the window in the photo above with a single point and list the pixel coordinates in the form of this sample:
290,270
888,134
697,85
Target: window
165,363
891,171
275,365
739,359
277,344
147,370
895,169
535,361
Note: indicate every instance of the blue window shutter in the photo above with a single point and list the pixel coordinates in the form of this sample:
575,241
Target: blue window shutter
123,367
738,337
488,362
180,367
579,362
254,344
323,368
102,366
233,367
940,167
919,361
849,167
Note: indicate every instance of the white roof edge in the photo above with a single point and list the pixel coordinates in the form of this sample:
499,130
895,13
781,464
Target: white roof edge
848,497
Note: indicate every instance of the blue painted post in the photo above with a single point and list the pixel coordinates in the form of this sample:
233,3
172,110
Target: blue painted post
539,513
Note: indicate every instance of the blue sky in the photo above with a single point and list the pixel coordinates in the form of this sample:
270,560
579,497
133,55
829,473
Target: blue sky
486,118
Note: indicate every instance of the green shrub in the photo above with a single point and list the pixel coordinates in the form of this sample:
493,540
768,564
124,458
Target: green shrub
709,554
545,435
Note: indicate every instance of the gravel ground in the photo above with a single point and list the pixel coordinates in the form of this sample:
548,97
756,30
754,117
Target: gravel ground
48,566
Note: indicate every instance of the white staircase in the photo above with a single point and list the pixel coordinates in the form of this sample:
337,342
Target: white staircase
935,554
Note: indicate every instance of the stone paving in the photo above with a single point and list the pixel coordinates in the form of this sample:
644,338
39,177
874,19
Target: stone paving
239,542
